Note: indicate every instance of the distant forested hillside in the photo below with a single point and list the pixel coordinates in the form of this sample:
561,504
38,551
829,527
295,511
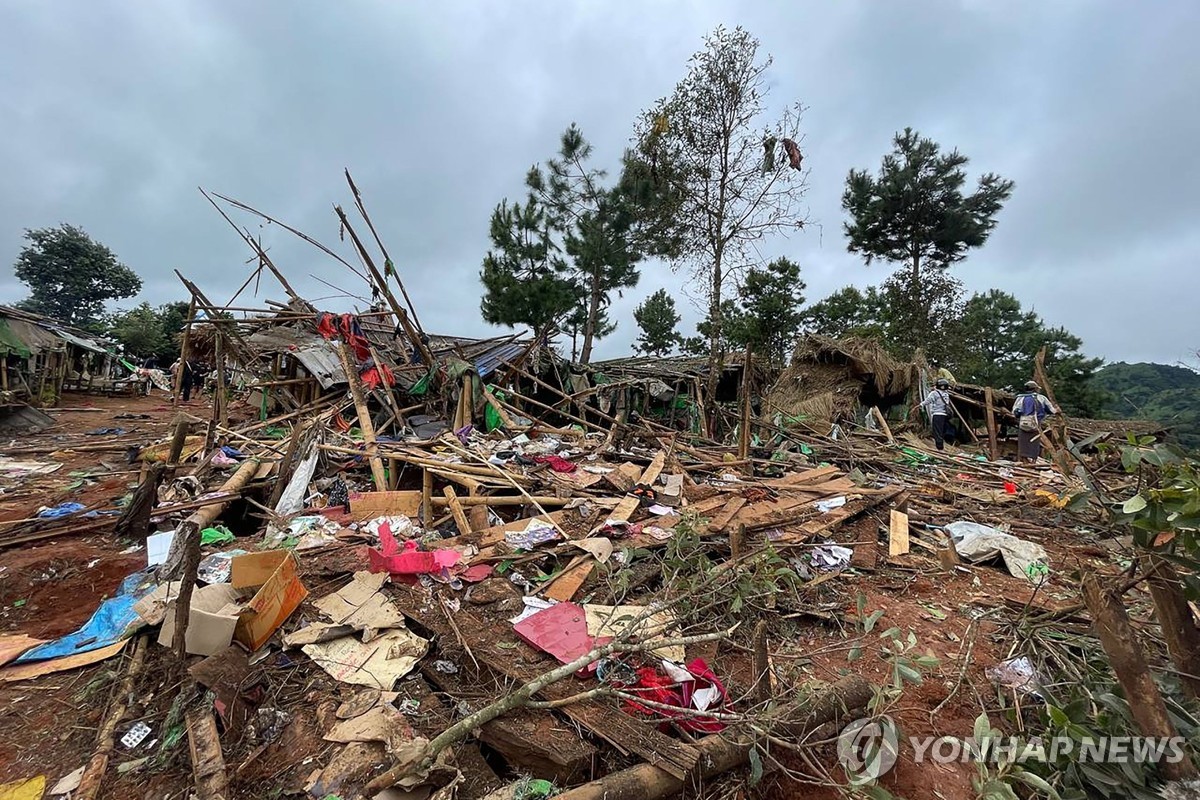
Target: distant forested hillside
1160,392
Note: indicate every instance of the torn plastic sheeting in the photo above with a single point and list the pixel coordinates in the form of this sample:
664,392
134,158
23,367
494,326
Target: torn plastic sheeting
560,631
975,542
291,499
409,561
825,506
113,621
1015,673
61,510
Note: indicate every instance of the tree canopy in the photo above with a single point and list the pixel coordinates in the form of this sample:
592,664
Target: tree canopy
71,276
145,331
524,276
595,225
657,322
914,213
722,175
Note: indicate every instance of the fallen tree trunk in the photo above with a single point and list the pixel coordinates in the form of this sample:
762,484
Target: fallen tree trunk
720,754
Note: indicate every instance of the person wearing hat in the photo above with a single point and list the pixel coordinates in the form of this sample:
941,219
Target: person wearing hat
937,405
1030,408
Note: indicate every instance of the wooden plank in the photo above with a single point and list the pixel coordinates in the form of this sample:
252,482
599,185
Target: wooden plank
623,477
369,505
655,469
460,516
566,585
808,476
727,512
898,534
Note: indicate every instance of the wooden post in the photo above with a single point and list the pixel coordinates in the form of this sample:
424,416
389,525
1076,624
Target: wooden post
1111,623
185,550
993,443
178,440
220,401
286,465
883,423
762,664
427,497
184,345
134,521
744,422
364,419
1178,625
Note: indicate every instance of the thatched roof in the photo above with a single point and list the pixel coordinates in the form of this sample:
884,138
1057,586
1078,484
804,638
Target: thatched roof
828,379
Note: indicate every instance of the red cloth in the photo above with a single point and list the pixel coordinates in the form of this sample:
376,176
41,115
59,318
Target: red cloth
376,375
657,687
557,463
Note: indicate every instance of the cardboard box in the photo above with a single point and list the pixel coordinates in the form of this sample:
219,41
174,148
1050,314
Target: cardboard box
276,575
369,505
211,622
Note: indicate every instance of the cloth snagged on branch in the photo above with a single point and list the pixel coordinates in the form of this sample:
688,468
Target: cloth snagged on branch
694,687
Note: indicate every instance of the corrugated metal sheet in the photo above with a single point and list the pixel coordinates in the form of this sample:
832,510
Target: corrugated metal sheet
318,356
78,341
35,337
489,361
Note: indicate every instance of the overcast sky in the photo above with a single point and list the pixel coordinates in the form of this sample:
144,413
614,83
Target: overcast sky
114,112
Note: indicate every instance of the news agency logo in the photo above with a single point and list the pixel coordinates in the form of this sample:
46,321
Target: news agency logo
868,749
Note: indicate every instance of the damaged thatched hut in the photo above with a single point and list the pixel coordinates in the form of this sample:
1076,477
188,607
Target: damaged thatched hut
834,380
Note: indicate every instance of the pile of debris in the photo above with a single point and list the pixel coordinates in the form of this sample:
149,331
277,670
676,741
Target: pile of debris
403,566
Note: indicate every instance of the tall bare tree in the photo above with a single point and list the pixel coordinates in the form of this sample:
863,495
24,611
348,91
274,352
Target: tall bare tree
718,173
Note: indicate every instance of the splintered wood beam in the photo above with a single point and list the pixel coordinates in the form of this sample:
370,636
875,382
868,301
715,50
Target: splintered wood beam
364,418
456,508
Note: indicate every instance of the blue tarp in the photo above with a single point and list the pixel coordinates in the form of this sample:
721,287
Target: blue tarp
113,621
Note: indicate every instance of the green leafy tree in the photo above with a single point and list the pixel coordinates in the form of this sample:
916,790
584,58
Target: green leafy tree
848,312
999,342
914,213
770,310
524,276
596,224
657,321
174,318
719,174
71,276
141,331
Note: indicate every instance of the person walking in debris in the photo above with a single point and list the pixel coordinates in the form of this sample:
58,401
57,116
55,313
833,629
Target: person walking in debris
1030,408
937,405
188,378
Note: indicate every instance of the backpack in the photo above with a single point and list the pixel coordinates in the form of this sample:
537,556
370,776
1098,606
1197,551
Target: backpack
1029,420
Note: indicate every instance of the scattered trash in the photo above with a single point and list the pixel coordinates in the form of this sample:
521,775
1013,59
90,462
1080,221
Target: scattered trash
1016,673
693,687
825,506
535,533
388,658
216,568
218,534
135,735
267,725
829,557
69,782
975,543
445,667
410,561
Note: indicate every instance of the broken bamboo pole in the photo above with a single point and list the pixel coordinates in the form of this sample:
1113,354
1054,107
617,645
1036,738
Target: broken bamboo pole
184,344
1111,623
364,419
93,774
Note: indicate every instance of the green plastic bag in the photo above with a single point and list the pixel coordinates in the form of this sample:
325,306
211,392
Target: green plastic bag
215,535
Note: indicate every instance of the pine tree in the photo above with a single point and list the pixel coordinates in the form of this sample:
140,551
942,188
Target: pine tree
595,225
769,313
524,277
657,320
914,213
